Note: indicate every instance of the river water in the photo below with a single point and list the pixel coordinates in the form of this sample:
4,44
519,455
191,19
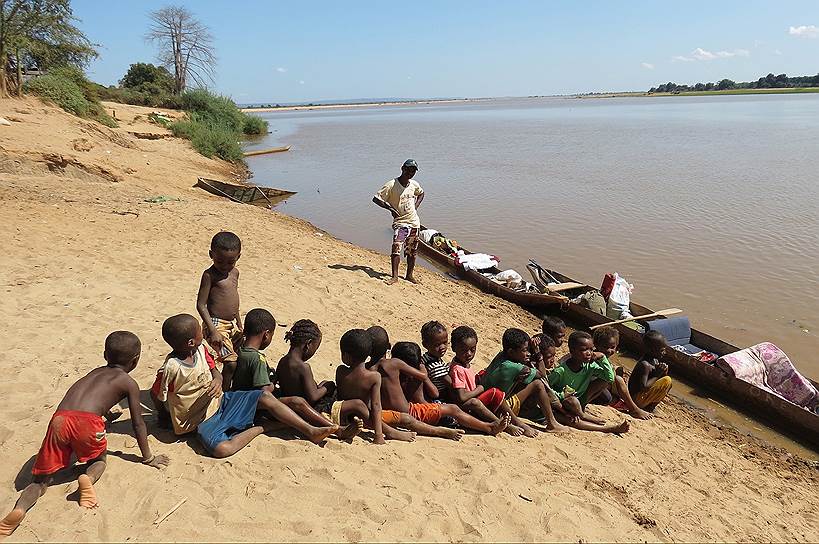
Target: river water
704,203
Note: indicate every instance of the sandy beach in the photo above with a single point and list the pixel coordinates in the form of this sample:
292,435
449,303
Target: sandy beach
92,249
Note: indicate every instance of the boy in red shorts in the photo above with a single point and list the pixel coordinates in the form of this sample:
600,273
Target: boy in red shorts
78,427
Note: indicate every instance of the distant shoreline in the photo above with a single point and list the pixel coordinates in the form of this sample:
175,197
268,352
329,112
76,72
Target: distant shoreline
639,94
625,94
364,104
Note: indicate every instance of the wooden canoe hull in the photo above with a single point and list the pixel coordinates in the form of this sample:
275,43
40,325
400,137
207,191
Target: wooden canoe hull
531,300
281,149
246,194
744,396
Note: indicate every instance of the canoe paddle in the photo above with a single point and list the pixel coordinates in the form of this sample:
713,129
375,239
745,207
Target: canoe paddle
669,311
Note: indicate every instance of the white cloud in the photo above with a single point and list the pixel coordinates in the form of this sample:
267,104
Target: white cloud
804,31
701,54
281,70
301,82
647,65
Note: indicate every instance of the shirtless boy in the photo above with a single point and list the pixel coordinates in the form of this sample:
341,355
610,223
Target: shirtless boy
191,385
77,428
649,382
430,413
218,302
391,371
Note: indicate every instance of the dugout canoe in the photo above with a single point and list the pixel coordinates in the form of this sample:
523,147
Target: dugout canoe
281,149
743,396
244,193
527,299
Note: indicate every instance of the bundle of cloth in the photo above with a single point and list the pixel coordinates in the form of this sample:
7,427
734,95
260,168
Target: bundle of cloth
439,242
475,261
767,367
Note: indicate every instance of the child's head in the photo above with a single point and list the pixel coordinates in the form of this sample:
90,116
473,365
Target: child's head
655,344
409,352
122,349
516,345
581,346
556,328
434,338
259,322
304,335
225,250
356,346
606,339
183,333
545,349
464,343
381,342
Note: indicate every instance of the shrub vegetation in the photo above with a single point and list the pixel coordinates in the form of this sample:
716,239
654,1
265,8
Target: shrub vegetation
68,88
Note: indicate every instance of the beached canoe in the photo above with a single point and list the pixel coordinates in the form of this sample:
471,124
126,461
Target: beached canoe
744,396
246,194
281,149
522,298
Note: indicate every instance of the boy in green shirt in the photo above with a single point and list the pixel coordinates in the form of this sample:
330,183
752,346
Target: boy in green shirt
571,379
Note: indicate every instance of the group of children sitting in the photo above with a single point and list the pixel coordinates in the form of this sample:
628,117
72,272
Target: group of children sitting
396,391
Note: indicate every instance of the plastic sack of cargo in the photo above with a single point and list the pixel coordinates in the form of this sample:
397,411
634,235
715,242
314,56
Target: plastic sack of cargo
619,299
509,278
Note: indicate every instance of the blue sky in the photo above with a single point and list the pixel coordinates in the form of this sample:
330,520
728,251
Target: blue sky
323,50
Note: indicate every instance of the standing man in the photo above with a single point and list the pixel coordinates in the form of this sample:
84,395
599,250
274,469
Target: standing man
401,196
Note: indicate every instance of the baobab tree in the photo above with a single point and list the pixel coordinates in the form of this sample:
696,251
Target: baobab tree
185,44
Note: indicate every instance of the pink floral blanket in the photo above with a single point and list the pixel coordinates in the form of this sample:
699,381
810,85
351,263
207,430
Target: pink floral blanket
766,366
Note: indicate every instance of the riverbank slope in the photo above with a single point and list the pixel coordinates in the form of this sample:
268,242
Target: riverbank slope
92,249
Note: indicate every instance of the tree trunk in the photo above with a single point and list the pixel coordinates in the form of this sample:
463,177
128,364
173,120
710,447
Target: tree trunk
4,93
19,73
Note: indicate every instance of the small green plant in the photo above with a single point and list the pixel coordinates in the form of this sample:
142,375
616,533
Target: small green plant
214,125
68,88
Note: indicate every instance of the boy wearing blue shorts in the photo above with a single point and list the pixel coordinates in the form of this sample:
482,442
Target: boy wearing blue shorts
191,385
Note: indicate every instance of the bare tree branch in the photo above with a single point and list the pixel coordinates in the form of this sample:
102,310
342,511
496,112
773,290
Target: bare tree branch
185,44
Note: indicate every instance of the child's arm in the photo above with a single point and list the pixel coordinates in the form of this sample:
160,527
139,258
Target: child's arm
140,430
238,316
212,335
420,375
215,386
375,408
462,394
311,391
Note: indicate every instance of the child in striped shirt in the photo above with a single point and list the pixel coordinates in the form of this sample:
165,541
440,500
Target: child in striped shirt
435,339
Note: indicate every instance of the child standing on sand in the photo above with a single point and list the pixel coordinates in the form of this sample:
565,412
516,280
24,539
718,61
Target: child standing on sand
192,386
77,428
401,197
571,379
218,301
649,382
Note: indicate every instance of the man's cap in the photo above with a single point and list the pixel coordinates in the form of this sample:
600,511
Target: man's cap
410,163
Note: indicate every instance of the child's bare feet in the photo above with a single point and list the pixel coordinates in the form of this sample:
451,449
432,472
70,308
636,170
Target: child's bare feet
88,497
12,520
621,428
639,413
402,436
514,430
443,432
351,431
593,419
317,434
556,428
391,281
412,279
500,425
528,432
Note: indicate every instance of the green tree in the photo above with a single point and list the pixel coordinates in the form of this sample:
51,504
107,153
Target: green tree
725,84
40,33
142,75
